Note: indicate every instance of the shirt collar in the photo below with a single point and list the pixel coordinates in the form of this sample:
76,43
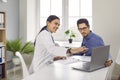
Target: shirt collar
48,30
89,35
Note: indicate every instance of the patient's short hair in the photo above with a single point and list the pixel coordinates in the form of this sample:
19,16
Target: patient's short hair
83,20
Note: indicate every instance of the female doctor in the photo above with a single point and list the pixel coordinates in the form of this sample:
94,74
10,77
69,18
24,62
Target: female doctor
45,48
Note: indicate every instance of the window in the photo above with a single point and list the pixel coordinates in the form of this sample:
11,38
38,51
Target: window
52,7
79,9
69,11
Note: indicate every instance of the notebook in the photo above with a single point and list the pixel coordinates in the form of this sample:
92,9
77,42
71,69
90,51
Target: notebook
98,58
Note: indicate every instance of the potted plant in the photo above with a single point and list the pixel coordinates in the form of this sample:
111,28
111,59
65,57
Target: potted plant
16,45
70,34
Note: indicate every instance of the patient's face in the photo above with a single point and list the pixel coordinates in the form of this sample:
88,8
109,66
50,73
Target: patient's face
53,25
83,29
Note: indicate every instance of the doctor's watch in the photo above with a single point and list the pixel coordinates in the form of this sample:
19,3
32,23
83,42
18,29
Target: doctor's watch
69,51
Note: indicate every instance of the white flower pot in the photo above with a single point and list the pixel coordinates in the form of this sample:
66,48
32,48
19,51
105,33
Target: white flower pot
16,60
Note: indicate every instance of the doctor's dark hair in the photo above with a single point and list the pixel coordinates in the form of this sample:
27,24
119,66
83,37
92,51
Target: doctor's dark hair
50,19
83,20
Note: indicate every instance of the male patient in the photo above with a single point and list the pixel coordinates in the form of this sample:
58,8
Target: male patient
90,39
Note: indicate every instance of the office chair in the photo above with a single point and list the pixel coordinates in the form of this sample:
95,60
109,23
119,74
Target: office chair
24,67
114,69
118,62
118,58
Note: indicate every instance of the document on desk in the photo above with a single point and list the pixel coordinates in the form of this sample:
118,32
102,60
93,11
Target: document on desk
74,59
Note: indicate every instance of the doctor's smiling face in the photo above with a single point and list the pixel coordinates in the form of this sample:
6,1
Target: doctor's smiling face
53,25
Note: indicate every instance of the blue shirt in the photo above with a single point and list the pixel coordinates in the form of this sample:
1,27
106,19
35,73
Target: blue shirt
91,41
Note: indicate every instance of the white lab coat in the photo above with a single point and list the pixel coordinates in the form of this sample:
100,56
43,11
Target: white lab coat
45,50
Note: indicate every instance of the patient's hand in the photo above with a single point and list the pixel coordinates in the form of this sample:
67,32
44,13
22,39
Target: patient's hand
84,49
108,63
59,58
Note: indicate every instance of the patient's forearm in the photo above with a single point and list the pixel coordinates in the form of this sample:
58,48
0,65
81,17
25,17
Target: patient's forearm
78,50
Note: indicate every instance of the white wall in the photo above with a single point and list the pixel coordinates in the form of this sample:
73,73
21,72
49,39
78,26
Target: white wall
27,18
23,19
31,18
106,22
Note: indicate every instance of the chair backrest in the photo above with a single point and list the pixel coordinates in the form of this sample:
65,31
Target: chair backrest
24,67
114,68
118,58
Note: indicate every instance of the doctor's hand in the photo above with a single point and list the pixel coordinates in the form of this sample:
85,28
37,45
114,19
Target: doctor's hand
59,58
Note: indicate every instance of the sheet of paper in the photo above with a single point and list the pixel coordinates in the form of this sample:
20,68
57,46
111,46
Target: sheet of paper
74,59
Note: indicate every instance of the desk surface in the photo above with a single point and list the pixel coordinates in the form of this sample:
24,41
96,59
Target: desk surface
67,44
57,71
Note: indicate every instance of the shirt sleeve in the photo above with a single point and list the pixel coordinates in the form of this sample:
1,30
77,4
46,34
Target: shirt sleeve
93,42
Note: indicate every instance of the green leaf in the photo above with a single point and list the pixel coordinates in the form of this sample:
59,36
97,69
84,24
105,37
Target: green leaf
67,32
70,33
16,45
28,48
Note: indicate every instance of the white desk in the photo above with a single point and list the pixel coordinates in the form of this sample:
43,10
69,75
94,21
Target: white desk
57,71
67,44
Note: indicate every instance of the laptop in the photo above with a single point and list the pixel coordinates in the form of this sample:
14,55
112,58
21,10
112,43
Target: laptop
98,59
